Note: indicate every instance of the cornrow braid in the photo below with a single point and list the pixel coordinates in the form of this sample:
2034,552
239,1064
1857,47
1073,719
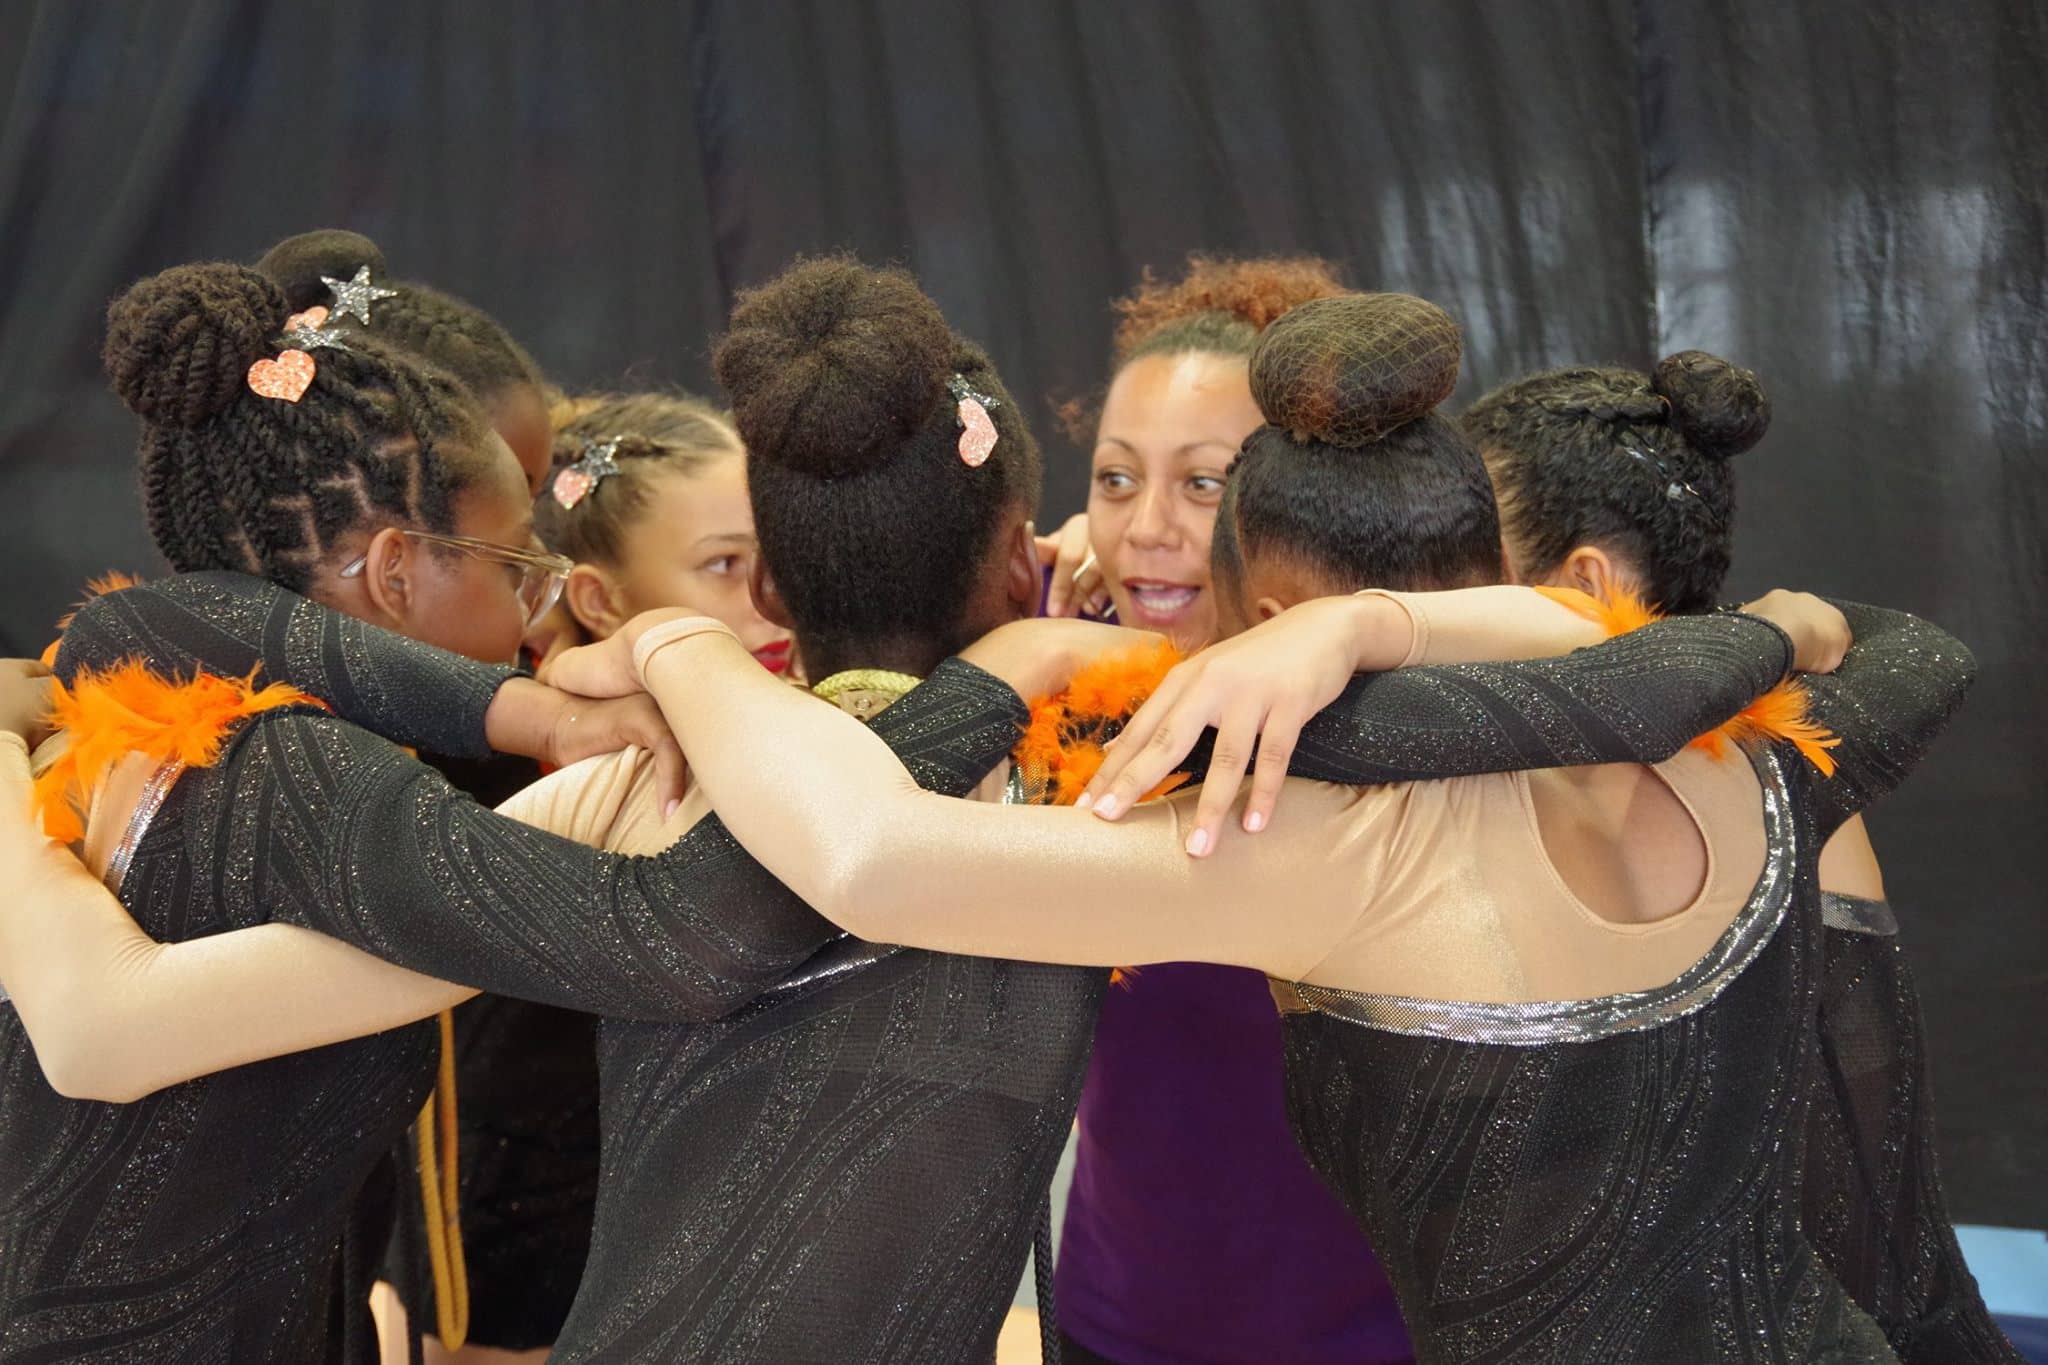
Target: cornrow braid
1635,463
655,433
458,337
235,480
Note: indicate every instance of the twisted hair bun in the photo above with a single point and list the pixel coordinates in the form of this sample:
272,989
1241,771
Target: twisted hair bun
833,364
298,263
1345,371
1718,406
179,344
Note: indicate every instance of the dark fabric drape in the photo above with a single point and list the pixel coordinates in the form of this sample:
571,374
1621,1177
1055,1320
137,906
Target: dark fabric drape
1850,197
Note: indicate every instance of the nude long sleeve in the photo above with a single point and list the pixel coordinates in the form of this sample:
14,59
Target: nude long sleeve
831,811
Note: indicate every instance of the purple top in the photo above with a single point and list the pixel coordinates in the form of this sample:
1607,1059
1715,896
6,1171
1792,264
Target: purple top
1196,1231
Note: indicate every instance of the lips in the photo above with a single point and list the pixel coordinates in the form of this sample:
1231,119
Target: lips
775,657
1158,603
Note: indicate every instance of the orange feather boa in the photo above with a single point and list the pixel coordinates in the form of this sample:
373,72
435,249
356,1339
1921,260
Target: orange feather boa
1062,747
129,709
1780,715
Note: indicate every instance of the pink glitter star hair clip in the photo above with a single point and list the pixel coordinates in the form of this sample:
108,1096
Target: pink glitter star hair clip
977,431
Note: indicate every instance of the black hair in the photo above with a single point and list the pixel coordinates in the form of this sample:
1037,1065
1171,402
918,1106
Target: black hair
235,480
441,329
846,386
1354,475
1634,463
654,432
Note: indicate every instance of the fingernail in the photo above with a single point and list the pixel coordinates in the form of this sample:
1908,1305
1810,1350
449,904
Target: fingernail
1084,802
1254,821
668,812
1106,807
1198,842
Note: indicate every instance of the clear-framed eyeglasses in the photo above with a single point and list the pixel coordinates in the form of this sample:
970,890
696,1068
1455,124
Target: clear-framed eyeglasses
537,576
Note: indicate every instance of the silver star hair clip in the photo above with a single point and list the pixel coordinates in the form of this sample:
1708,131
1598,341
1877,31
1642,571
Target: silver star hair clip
353,297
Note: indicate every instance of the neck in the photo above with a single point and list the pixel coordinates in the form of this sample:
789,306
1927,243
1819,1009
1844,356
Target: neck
824,656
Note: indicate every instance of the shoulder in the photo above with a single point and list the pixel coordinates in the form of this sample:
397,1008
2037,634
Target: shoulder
594,801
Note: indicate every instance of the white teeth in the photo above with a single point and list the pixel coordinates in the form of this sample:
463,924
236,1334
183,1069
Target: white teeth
1164,600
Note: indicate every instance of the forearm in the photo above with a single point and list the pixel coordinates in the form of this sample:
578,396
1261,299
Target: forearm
1896,691
831,811
229,624
114,1015
1637,698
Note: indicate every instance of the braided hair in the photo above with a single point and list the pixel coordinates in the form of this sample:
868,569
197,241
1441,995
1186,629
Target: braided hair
655,433
842,380
234,480
458,337
1354,475
1635,463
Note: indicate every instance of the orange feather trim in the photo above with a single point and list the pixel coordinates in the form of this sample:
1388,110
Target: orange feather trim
1062,748
113,580
1781,715
129,709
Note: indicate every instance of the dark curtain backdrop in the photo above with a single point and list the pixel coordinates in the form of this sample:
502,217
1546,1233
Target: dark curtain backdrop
1851,197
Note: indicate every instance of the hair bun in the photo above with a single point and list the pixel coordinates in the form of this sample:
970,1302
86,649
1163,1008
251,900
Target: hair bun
832,364
179,344
298,264
1345,371
1718,406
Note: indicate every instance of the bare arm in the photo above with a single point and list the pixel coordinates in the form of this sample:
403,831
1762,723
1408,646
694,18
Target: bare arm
115,1015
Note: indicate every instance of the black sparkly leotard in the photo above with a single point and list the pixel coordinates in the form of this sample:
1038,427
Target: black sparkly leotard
901,1113
1874,1207
527,1138
889,1122
204,1222
1618,1180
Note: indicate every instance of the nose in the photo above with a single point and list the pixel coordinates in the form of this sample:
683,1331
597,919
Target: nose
1155,525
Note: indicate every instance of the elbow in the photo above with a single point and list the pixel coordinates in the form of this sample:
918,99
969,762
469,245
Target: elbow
850,891
82,1067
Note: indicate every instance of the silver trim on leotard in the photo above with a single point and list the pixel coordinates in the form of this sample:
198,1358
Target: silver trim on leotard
1542,1022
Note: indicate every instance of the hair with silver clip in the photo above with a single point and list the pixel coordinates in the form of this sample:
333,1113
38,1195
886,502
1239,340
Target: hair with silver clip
1636,464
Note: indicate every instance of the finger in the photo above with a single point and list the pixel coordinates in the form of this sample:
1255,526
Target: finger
1282,731
1148,764
1235,736
671,774
1132,739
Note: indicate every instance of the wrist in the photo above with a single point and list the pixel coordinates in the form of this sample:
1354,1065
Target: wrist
660,640
1386,633
523,717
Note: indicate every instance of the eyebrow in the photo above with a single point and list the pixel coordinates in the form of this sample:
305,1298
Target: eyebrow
735,537
1179,450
